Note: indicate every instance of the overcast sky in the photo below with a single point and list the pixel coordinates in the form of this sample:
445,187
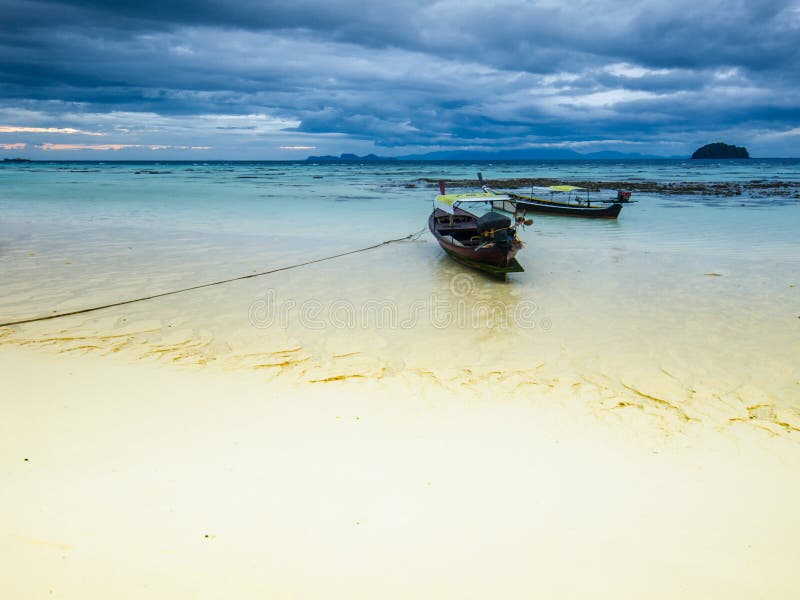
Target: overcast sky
280,80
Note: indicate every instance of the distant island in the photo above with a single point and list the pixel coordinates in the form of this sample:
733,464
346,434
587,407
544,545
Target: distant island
513,154
348,158
529,154
720,150
17,160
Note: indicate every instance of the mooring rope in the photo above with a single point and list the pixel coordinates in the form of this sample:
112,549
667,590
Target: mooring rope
412,236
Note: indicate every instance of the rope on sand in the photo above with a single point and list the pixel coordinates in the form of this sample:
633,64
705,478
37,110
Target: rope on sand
412,236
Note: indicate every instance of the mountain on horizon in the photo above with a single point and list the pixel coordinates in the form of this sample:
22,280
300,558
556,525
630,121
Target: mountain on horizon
529,154
348,158
515,154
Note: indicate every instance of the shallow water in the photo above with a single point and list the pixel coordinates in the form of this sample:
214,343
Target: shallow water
686,307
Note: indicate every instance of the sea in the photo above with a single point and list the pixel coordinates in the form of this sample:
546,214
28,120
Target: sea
686,307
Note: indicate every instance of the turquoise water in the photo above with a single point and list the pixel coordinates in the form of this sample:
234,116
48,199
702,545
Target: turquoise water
689,300
353,203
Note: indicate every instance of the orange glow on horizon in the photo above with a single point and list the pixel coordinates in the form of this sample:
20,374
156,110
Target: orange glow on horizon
115,147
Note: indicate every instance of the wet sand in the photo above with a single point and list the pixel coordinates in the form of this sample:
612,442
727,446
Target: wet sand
682,338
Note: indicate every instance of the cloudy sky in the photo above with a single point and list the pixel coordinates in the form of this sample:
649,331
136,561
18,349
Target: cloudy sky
242,79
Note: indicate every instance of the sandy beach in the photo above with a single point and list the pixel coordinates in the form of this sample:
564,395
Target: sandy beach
144,480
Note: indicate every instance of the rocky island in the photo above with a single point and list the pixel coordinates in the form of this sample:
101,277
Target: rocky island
720,150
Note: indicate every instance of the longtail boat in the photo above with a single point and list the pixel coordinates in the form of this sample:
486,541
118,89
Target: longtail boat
563,200
488,242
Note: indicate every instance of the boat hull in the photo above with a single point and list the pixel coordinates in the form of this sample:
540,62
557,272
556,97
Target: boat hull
529,204
495,260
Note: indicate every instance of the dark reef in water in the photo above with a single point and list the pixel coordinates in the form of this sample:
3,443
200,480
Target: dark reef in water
720,150
753,188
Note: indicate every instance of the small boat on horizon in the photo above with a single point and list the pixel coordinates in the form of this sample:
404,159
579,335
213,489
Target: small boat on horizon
563,200
488,242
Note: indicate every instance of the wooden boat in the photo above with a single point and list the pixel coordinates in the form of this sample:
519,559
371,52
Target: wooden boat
563,200
521,202
488,242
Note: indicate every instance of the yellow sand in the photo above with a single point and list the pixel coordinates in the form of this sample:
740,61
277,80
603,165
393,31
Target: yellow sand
133,481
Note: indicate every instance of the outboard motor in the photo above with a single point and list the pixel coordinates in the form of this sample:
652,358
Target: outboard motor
494,227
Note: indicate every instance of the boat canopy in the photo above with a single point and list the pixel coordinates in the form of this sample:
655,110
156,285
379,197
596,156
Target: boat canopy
448,202
564,188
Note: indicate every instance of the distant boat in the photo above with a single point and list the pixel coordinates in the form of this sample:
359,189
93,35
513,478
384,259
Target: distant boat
488,242
563,200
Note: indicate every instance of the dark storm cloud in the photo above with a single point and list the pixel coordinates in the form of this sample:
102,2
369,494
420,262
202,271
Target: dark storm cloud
403,74
535,35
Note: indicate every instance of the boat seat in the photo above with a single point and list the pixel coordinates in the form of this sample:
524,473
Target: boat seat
450,229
